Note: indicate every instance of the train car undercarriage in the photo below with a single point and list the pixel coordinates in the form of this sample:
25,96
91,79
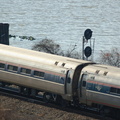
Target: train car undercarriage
57,99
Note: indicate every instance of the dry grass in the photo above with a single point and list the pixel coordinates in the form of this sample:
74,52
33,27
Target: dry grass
14,109
7,114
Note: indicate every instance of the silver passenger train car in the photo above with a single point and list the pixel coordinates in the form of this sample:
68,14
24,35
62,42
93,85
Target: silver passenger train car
99,86
36,71
60,78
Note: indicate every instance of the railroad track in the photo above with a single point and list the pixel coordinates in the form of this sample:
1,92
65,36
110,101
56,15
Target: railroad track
39,100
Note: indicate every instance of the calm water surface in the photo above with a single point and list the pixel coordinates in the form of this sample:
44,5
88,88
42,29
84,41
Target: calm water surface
64,21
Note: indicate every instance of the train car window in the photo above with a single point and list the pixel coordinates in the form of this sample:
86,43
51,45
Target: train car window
84,83
90,86
118,91
39,74
62,80
114,90
25,71
12,68
54,79
2,65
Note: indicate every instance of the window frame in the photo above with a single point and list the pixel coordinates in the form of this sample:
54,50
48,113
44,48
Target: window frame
2,68
25,73
40,74
14,68
116,91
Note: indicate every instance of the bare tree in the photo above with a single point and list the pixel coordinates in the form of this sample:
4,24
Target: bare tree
111,57
48,46
72,54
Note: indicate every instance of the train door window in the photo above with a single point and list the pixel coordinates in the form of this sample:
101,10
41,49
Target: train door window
25,71
68,77
84,83
84,80
12,68
39,74
2,65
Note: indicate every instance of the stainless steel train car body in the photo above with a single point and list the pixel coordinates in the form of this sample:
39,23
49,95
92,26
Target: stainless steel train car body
100,84
54,65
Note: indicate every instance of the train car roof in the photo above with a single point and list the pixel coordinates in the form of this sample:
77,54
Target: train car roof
38,57
104,70
108,74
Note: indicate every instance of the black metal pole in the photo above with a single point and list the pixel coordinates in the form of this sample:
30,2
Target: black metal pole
83,48
4,33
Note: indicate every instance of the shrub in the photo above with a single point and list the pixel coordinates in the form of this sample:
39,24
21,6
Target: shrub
110,57
49,46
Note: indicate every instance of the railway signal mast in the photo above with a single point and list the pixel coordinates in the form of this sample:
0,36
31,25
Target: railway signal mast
87,51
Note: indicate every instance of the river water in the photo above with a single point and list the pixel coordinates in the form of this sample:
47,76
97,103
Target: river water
64,21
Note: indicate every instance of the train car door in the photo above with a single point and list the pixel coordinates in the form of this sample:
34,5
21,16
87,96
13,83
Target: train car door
82,86
68,82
